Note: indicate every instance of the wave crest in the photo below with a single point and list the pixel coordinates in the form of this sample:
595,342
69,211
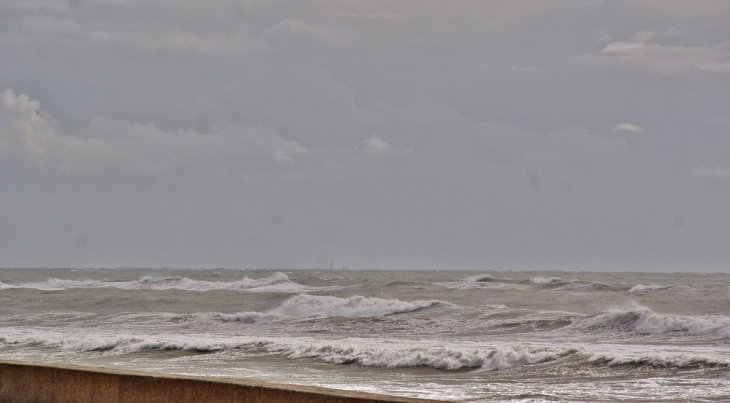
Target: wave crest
277,282
4,286
484,282
643,320
440,358
675,361
561,284
305,306
361,351
539,282
648,287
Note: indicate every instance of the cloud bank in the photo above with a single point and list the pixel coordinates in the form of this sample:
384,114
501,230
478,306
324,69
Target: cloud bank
476,135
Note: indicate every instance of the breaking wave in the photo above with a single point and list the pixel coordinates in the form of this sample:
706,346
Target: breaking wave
648,287
484,282
306,306
4,286
540,282
643,320
349,351
558,283
491,279
491,359
365,352
673,361
361,351
277,282
547,280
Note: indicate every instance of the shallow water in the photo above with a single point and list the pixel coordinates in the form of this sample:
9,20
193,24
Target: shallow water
464,336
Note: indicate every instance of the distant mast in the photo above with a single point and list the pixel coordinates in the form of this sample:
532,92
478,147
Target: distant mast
331,264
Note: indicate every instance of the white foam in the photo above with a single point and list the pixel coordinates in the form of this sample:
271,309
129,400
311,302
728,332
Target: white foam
643,320
394,353
55,284
575,285
278,282
305,305
490,359
366,352
4,286
497,283
560,284
481,283
546,280
648,287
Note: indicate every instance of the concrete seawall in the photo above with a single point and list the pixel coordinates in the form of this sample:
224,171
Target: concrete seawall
31,382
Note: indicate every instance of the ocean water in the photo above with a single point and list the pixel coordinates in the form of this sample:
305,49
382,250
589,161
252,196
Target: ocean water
449,335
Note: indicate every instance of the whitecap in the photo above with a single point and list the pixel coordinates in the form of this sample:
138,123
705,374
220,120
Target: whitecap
277,282
642,320
366,352
482,282
546,280
4,286
648,287
304,306
488,359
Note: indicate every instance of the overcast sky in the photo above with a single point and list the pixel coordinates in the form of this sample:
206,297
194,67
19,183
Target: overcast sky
576,135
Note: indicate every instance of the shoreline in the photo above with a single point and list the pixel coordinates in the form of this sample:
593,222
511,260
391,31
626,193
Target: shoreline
39,382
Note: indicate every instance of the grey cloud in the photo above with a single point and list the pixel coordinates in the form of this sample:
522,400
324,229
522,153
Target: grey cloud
717,172
147,36
386,134
295,30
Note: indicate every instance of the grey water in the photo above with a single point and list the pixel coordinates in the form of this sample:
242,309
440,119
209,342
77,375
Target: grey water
449,335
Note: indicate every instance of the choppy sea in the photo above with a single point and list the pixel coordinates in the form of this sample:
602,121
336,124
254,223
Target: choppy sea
449,335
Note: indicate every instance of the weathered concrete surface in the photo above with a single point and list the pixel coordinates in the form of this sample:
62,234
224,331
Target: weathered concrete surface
31,382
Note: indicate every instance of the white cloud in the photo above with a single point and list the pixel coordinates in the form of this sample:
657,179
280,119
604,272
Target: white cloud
376,145
642,54
628,127
104,142
23,131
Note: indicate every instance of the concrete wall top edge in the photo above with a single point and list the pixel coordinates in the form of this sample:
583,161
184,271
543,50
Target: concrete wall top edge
220,380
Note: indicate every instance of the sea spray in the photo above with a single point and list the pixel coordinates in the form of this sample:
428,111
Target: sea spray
642,320
277,282
305,305
648,287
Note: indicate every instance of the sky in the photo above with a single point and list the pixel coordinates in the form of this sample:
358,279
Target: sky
398,134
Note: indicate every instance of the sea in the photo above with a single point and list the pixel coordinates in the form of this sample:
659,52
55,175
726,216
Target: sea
484,336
